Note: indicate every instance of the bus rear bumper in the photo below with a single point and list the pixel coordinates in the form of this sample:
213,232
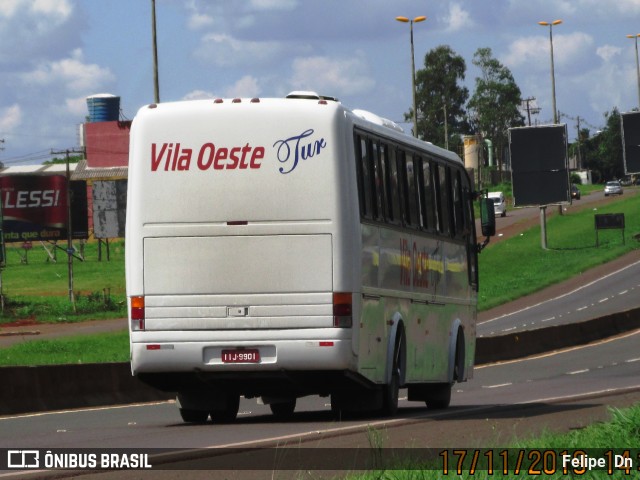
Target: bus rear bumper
330,349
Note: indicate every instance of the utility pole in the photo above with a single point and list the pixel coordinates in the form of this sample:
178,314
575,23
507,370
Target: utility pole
70,250
578,141
535,110
2,250
156,83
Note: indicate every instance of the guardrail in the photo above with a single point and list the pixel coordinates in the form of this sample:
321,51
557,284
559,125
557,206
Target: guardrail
57,387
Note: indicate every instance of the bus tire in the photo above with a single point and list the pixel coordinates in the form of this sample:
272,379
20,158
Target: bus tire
283,410
228,411
438,396
193,416
391,391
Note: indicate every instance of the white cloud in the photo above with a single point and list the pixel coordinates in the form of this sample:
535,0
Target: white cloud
60,9
10,118
608,52
329,76
52,8
533,52
77,106
457,18
71,73
198,95
36,29
274,4
226,51
8,8
198,19
527,51
246,87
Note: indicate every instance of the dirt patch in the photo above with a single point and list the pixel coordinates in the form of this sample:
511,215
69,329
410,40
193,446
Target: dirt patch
19,323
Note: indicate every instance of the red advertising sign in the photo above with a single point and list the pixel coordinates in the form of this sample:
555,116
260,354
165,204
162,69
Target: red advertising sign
34,207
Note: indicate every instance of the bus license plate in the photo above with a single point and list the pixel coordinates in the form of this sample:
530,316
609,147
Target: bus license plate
241,356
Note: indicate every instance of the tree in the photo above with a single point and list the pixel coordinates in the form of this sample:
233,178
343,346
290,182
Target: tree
58,160
494,105
440,98
604,150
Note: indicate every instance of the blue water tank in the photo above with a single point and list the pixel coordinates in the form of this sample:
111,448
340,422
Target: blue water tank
103,107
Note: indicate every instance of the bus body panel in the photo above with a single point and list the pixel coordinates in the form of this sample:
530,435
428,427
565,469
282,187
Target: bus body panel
233,264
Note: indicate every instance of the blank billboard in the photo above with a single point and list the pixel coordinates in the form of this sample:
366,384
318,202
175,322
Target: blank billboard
631,142
109,208
539,163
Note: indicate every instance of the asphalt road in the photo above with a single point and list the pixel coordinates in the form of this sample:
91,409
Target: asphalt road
607,289
551,391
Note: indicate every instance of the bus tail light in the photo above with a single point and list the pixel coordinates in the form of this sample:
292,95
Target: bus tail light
342,310
137,313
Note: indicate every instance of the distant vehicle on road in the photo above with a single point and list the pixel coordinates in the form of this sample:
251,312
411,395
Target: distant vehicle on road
612,188
499,203
575,191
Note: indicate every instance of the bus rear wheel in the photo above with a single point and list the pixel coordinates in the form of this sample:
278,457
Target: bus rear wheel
391,391
227,411
283,410
391,394
193,416
438,396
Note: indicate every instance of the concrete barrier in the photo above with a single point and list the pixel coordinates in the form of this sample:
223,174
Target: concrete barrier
532,342
55,387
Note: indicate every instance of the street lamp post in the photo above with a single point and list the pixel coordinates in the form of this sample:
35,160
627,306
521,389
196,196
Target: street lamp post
635,37
156,85
413,69
553,78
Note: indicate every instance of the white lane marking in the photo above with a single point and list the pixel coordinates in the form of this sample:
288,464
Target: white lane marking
498,385
581,395
90,409
563,295
631,360
548,319
624,292
582,308
576,372
603,300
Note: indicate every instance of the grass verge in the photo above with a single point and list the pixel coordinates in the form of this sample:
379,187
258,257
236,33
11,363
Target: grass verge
37,288
621,433
96,348
519,266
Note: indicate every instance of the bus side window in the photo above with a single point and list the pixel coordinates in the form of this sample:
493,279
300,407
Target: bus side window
393,186
428,198
472,248
438,195
365,193
384,182
444,180
411,204
378,193
460,229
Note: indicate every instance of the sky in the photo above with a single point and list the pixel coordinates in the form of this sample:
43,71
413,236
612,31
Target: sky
55,53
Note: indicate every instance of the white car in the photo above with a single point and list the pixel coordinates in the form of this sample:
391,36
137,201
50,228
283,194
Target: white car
612,188
499,203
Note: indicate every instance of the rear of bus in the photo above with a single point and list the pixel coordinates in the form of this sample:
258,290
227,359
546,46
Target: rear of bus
238,234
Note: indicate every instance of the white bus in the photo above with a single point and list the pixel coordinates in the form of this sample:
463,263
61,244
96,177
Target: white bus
278,248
